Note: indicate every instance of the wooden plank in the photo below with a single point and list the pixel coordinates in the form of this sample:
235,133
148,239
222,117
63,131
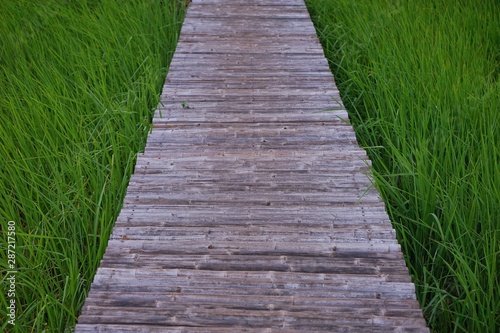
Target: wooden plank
253,2
176,329
261,302
252,207
272,233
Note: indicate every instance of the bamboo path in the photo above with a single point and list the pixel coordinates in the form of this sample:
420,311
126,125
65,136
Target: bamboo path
251,209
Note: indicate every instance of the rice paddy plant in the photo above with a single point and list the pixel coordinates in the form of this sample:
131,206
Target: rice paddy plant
79,81
421,82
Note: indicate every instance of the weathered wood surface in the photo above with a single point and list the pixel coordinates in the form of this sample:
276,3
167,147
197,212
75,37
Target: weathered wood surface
251,209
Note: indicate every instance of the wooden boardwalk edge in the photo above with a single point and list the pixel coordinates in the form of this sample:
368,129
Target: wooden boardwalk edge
251,208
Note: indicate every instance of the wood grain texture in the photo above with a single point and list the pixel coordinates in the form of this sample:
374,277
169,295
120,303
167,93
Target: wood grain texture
251,208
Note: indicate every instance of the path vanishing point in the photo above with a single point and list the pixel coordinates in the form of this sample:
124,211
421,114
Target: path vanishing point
251,209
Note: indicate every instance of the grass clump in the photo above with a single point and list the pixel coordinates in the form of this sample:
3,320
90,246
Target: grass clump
79,81
420,80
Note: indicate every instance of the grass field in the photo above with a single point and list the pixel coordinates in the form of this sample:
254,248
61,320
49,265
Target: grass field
79,81
420,80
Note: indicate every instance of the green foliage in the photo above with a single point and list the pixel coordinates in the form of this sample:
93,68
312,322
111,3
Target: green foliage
79,81
420,80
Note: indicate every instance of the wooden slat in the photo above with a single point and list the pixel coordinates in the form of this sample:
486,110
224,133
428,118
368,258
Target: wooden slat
252,207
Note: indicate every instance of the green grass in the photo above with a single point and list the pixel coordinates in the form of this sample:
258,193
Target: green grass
420,80
79,81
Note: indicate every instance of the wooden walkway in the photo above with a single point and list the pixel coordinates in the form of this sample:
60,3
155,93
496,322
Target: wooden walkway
250,209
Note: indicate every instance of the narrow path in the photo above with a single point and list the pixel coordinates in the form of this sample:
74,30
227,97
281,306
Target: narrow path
250,209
